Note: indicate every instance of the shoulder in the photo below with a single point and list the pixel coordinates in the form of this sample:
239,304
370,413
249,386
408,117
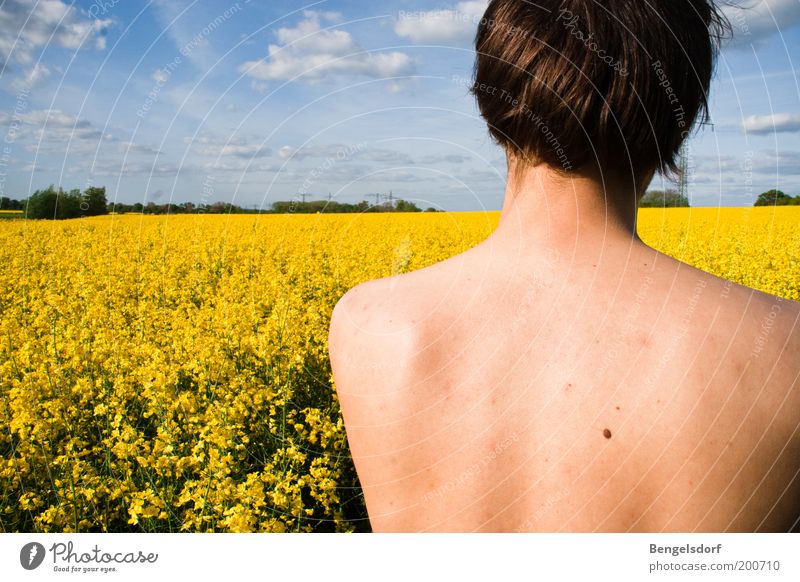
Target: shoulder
771,325
763,331
371,335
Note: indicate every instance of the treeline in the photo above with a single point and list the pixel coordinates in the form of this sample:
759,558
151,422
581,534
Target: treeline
59,204
10,204
325,206
777,198
281,207
55,203
672,199
663,199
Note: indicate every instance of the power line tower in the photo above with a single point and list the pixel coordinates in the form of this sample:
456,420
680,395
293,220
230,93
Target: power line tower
683,177
391,199
377,198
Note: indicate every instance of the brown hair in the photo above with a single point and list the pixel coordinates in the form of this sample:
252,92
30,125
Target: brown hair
619,83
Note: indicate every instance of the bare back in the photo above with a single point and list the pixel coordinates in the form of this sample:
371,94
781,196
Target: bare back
633,394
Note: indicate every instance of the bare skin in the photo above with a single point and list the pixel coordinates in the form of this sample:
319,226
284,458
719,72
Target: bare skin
563,376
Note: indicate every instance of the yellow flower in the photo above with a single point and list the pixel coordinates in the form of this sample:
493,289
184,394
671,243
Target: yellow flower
171,373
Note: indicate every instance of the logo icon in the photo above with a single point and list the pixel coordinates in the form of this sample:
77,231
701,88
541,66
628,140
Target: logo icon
31,555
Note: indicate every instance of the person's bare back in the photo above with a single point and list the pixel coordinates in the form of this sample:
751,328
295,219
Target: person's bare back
563,376
635,393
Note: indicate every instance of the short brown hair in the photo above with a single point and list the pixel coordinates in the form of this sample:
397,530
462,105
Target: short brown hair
616,82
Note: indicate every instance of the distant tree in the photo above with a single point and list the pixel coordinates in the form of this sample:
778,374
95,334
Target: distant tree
95,200
663,199
774,198
11,204
69,204
431,209
43,203
55,203
404,206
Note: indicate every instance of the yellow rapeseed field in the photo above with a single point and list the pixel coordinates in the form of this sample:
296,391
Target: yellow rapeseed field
171,373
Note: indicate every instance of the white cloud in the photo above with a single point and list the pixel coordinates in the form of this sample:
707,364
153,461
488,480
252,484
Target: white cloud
385,156
52,118
28,25
286,152
785,162
754,20
315,151
129,147
313,53
215,146
52,131
119,168
444,158
160,76
777,123
403,176
239,166
32,77
455,25
31,168
244,151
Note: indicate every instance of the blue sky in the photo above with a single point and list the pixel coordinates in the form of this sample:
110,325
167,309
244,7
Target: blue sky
253,102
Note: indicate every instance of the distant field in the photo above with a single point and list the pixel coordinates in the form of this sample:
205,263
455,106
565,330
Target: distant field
6,214
171,373
756,247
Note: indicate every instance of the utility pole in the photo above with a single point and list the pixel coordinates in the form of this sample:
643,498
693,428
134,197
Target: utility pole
683,177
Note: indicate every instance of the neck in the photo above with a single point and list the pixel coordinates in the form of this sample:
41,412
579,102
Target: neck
586,210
